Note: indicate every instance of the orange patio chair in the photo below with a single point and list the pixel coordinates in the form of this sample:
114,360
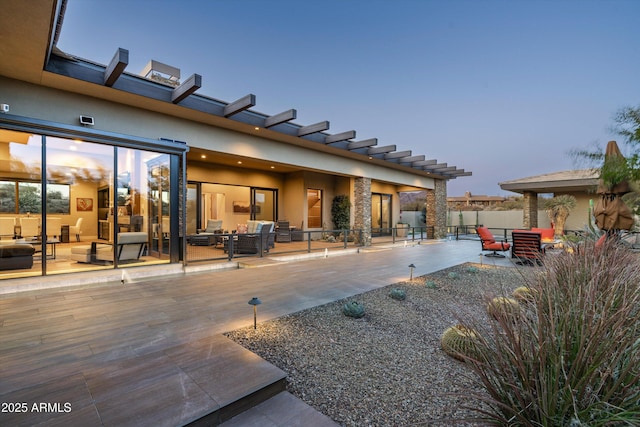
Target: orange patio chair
489,243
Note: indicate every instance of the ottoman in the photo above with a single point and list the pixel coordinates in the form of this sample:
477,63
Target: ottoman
81,253
16,256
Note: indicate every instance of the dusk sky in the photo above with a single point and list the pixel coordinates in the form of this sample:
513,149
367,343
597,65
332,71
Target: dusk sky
504,89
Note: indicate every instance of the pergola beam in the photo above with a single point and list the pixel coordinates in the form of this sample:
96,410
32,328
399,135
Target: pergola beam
381,150
435,167
189,86
411,159
315,128
462,174
397,155
421,163
447,170
283,117
116,67
344,136
241,104
354,145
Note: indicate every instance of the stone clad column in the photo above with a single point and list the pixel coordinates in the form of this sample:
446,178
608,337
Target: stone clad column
362,208
437,209
530,210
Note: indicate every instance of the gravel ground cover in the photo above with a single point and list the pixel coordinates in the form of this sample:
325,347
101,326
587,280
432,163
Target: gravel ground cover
386,368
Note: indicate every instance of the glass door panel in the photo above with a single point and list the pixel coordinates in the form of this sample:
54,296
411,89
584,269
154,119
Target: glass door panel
263,204
380,214
158,179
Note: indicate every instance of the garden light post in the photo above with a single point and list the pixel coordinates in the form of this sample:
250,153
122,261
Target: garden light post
411,267
255,301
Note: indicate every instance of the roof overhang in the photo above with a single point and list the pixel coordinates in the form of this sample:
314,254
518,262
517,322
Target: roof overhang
37,60
559,182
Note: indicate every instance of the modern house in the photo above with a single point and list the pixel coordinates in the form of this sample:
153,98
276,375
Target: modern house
95,152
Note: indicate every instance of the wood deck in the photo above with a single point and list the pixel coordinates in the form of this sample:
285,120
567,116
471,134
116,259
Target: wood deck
152,353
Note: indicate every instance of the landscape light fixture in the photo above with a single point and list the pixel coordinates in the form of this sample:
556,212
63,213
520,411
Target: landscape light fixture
411,266
255,302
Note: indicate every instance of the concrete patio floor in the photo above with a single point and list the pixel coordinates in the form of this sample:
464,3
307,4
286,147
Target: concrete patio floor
150,352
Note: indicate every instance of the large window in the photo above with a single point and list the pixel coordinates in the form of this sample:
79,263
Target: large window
314,212
29,197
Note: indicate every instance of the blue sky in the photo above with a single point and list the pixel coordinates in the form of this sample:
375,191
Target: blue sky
504,89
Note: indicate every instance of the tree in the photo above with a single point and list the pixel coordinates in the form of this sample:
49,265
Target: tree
558,209
627,125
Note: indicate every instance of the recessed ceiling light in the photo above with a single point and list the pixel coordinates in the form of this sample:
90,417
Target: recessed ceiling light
257,128
273,167
203,156
239,162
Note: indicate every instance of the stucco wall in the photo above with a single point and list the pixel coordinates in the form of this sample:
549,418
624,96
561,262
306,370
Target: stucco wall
64,107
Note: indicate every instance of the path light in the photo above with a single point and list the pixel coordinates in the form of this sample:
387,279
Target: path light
411,266
255,301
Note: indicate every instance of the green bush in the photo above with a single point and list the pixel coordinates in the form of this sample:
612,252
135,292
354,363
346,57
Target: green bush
341,212
573,356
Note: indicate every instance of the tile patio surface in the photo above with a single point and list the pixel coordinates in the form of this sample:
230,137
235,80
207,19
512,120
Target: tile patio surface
151,352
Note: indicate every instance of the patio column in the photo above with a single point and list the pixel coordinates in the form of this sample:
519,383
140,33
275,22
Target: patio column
530,210
437,209
362,208
441,209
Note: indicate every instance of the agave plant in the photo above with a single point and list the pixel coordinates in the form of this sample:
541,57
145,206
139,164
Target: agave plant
397,293
353,309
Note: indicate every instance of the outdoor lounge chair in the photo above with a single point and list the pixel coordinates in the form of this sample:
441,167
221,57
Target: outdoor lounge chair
254,243
489,243
283,233
527,247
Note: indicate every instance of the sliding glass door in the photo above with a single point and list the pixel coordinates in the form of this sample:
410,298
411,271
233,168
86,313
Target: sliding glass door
380,214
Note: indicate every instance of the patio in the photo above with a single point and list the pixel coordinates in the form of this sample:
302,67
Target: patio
150,352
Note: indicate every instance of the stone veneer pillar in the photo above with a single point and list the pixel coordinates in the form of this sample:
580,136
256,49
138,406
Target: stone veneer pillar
441,209
362,209
437,209
530,210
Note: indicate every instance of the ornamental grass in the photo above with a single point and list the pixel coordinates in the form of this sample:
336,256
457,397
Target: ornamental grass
573,356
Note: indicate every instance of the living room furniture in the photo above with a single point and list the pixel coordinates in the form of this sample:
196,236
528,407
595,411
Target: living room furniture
130,247
16,256
7,227
50,244
76,230
489,243
29,227
527,247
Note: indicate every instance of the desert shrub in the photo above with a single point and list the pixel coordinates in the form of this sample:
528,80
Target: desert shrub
398,294
353,309
573,356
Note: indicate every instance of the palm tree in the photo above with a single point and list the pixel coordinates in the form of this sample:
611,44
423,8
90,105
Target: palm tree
558,209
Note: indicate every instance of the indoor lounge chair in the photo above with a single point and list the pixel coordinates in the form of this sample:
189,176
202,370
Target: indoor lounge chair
489,243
